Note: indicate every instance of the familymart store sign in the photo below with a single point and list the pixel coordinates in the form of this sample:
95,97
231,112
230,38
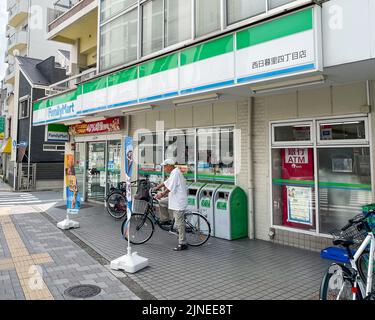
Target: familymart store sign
283,47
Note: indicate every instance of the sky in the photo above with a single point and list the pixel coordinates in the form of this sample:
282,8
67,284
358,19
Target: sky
3,39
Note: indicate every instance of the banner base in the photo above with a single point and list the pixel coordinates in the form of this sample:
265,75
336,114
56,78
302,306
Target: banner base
68,224
129,263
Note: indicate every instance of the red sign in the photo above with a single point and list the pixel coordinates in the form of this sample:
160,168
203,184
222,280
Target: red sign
107,125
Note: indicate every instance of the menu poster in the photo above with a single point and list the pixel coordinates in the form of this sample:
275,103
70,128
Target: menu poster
300,205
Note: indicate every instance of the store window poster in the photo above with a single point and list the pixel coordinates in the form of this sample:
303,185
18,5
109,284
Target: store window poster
300,205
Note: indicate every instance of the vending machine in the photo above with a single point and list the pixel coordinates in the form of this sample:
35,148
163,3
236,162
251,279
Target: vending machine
297,172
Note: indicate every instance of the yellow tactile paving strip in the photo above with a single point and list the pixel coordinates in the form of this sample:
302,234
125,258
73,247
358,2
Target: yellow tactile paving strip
24,262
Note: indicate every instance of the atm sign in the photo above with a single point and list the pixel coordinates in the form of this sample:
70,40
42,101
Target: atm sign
296,156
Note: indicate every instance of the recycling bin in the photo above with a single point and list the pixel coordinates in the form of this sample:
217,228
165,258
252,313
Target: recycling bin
193,195
206,203
230,213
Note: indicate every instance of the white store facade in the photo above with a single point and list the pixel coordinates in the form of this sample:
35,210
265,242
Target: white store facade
269,106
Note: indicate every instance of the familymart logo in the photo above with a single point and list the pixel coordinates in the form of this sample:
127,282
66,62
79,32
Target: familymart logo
61,110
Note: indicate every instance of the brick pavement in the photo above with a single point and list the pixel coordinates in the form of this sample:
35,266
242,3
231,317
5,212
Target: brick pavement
30,246
221,269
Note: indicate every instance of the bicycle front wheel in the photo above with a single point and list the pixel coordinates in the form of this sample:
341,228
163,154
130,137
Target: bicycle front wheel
197,229
141,228
337,284
362,265
116,205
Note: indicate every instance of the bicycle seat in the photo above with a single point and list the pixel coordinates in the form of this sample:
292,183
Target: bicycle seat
343,242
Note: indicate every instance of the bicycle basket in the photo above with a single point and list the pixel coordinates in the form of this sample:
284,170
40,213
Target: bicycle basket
355,232
139,206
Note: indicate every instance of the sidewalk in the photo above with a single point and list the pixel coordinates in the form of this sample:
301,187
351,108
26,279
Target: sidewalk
39,262
4,186
221,269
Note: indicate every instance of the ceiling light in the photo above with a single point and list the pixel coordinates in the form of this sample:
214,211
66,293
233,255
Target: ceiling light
197,99
93,119
137,109
288,84
72,122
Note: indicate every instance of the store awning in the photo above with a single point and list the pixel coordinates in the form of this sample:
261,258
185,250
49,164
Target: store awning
7,147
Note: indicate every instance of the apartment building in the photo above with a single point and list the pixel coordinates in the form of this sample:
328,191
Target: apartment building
26,32
273,96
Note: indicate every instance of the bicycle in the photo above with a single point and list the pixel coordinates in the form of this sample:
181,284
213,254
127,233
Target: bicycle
142,225
116,201
351,276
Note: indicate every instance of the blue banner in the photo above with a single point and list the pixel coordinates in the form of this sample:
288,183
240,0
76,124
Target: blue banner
73,198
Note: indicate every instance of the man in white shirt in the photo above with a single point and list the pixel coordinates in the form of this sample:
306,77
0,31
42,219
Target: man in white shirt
175,188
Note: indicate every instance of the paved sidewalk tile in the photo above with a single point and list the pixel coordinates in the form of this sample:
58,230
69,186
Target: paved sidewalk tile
27,272
220,269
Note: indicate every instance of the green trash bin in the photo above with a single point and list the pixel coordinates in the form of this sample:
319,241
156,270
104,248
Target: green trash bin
230,213
207,203
193,195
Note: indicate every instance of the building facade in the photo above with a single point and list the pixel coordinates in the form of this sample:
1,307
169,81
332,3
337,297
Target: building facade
27,37
275,97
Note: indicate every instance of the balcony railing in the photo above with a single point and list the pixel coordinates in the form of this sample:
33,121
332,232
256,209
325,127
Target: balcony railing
63,10
18,12
17,41
72,82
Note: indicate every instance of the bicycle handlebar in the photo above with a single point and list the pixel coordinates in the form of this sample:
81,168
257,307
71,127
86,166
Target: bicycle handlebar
360,219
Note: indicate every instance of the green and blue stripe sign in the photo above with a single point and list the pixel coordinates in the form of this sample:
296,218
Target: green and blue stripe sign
282,47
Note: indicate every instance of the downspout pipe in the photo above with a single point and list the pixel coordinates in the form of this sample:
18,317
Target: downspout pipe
251,171
29,146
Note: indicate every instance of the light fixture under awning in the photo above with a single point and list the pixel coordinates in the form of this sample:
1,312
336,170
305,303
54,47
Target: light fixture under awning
7,147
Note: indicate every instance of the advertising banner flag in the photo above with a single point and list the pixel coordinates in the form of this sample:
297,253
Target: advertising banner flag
129,173
73,198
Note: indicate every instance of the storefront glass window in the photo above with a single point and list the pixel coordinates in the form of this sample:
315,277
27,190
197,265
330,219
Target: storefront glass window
291,133
152,26
150,155
109,8
344,185
208,13
79,166
180,145
339,180
119,41
215,154
177,21
113,163
238,10
345,130
96,172
293,188
277,3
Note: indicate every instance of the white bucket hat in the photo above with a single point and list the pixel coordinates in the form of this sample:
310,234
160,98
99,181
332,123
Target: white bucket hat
168,161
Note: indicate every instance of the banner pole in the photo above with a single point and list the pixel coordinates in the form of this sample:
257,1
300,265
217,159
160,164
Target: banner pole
131,262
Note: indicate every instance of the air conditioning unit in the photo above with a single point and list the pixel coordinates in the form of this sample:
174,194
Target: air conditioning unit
71,69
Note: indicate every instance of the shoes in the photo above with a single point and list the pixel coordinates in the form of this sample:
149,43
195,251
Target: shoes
181,247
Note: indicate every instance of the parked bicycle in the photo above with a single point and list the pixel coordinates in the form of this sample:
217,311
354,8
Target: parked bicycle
116,201
351,276
144,218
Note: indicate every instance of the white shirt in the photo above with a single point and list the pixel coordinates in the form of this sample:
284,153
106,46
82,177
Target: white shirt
176,184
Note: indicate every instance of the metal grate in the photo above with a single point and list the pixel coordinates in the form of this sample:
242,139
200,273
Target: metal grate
83,291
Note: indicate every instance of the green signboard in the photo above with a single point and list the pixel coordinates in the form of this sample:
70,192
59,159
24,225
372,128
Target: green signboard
2,127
